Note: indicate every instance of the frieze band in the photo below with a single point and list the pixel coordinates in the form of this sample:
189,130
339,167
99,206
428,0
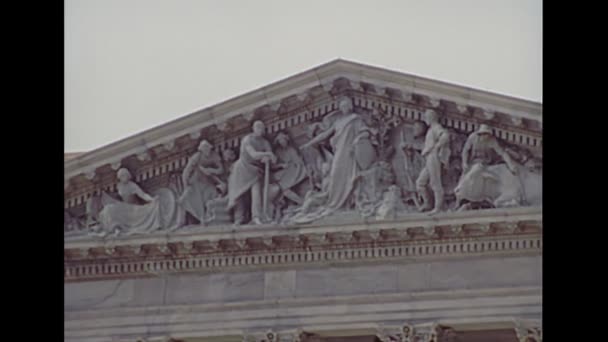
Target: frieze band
142,259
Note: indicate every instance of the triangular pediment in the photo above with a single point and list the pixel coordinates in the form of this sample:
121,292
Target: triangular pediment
299,88
157,157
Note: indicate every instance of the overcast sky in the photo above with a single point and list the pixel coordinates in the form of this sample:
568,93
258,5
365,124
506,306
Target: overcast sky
134,64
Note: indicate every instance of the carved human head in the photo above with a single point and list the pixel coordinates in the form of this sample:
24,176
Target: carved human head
282,139
205,147
258,128
430,116
325,168
123,175
345,105
229,155
419,128
484,130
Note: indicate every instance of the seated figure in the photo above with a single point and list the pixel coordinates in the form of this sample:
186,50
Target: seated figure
129,215
486,179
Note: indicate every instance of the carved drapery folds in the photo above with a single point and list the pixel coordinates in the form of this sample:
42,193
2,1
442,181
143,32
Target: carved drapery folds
134,212
353,161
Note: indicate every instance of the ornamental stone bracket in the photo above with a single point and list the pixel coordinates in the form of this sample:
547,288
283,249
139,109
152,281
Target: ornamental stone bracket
272,336
528,330
427,332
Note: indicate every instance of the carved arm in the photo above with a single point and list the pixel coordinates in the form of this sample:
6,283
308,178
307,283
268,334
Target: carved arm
215,171
257,155
192,162
142,194
466,152
503,153
322,136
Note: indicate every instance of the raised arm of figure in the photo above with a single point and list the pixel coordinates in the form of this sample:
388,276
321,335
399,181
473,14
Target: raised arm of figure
466,152
142,194
503,153
319,138
190,166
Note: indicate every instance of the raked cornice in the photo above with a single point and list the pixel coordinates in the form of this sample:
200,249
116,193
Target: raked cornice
276,94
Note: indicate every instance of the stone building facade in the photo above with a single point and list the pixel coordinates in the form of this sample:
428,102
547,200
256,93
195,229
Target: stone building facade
344,203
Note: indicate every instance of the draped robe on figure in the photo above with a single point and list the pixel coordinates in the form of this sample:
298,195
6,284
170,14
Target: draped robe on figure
295,171
159,213
200,188
246,171
344,169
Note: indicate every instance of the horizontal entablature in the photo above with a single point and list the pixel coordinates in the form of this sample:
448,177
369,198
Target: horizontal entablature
462,234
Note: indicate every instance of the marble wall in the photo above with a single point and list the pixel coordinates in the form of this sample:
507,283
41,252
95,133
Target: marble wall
329,281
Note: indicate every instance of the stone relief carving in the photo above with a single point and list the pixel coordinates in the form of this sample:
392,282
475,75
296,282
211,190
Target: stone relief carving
500,181
72,224
353,153
201,180
136,212
407,161
216,208
249,181
528,330
291,170
409,333
391,204
436,152
352,161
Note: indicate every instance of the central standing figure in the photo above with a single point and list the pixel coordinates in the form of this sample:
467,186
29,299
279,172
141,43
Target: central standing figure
353,153
248,174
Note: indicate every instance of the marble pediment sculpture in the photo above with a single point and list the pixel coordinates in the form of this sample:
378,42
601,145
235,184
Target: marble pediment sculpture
342,142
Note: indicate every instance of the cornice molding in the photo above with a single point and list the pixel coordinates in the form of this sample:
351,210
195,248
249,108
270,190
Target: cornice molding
260,247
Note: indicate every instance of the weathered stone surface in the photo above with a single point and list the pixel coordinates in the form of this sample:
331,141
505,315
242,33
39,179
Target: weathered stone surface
470,273
519,271
98,294
346,281
214,288
280,284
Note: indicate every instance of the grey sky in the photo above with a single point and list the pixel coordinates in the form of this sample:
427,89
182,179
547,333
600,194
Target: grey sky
134,64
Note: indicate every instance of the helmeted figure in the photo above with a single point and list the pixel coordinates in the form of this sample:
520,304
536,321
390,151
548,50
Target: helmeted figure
437,154
484,178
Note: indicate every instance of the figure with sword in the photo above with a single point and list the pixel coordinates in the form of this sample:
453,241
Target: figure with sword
250,176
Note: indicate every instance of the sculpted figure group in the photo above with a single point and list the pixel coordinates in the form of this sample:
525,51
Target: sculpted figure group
338,168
